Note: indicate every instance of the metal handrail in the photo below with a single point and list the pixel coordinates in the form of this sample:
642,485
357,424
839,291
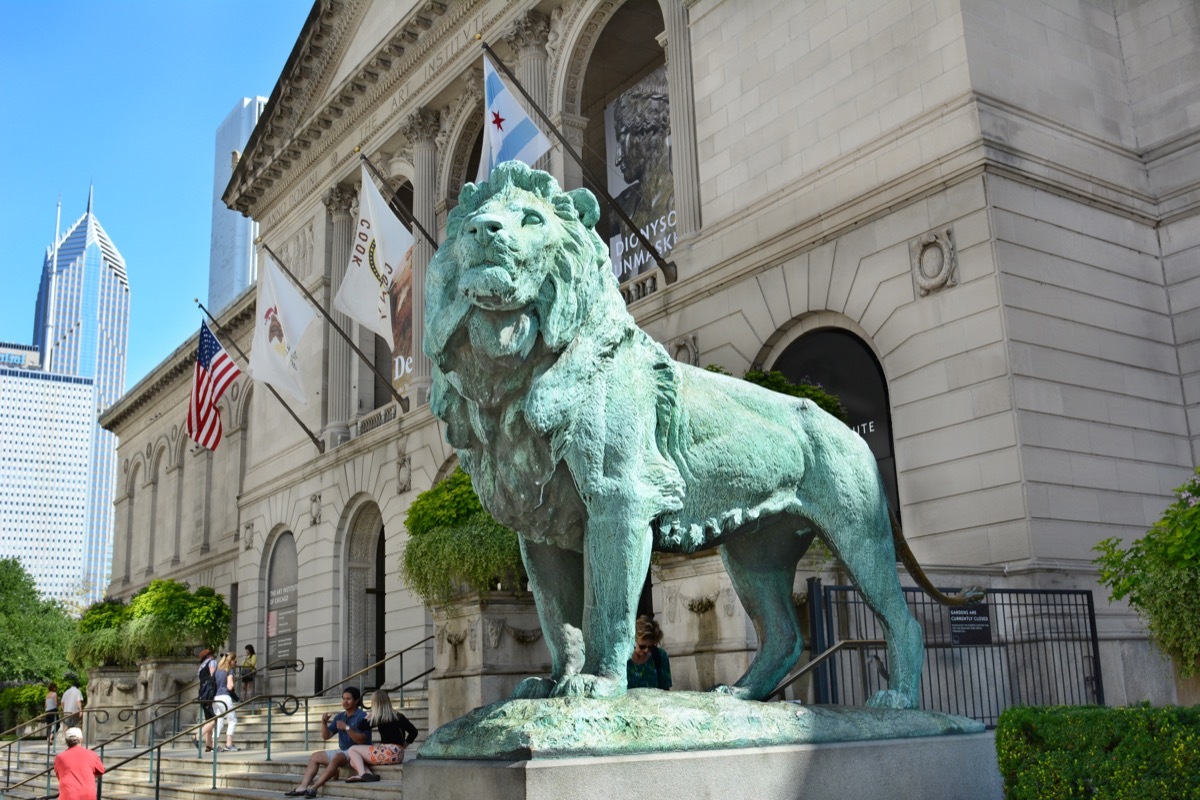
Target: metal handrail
153,748
17,728
844,644
370,667
286,664
363,671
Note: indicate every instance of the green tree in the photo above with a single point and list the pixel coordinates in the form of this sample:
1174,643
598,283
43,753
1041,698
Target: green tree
1160,574
34,633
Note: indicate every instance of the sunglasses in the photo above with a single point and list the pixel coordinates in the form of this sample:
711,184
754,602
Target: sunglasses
643,647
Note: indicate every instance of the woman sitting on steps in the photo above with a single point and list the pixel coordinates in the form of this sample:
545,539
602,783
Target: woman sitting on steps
395,734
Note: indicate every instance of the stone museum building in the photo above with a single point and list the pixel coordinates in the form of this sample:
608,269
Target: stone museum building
977,222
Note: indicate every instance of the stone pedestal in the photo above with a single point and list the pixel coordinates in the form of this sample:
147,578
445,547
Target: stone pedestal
110,691
959,767
484,648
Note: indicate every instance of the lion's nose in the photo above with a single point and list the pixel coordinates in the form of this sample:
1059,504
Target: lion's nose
485,226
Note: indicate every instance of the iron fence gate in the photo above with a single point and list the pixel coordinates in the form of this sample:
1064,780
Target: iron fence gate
1018,647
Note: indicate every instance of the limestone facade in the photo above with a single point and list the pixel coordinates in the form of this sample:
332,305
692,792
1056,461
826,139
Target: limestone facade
998,199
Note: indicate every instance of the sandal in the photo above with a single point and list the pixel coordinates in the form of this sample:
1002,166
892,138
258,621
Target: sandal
295,793
311,793
354,779
369,777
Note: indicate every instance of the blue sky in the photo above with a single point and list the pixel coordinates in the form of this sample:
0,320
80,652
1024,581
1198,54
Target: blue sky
126,95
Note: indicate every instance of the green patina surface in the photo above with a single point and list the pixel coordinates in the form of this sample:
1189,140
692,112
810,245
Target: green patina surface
583,435
651,721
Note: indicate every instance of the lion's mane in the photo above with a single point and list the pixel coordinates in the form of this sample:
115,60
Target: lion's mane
582,322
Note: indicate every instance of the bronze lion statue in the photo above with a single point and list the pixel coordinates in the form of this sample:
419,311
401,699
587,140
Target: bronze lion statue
584,436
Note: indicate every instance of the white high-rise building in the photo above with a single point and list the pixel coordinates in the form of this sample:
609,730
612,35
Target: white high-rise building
46,431
233,262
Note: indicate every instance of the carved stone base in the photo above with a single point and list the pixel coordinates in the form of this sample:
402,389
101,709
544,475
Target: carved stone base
945,767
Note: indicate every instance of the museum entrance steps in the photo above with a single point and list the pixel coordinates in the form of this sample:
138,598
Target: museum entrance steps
246,773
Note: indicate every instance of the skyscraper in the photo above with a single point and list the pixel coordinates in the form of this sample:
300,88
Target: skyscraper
81,328
233,262
46,435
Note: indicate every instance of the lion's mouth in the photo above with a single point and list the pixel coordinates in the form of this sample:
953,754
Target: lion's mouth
490,287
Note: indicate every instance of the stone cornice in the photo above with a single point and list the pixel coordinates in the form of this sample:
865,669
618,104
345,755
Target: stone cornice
175,368
412,58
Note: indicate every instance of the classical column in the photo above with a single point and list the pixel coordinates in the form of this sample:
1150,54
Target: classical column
565,169
420,130
683,117
528,38
337,393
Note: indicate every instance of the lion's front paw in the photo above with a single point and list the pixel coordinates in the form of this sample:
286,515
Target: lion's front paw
890,698
533,689
739,692
589,686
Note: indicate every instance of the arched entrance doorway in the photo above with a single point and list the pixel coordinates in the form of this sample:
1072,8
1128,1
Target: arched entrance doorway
365,594
843,365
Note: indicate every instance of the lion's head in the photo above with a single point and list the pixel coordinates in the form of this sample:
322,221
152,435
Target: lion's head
517,244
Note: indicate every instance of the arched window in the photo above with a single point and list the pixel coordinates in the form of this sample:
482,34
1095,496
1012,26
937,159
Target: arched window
843,365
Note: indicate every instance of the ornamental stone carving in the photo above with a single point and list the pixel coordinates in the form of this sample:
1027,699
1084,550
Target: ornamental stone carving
934,261
422,126
531,32
686,349
314,509
338,200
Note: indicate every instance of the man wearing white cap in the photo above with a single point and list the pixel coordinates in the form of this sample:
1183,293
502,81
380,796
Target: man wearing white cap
77,768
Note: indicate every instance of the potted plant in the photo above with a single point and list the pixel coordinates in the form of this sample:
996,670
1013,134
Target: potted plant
466,566
1160,575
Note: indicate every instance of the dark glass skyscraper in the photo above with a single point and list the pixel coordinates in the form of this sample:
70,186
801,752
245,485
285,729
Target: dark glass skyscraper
81,328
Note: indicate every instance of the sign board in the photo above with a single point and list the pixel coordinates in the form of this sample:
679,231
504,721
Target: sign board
970,625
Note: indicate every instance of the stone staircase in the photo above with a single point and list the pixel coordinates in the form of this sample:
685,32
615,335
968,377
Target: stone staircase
244,774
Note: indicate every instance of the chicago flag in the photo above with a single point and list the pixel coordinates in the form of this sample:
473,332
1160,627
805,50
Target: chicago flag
508,132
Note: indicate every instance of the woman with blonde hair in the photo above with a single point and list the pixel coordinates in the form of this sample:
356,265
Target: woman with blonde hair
395,734
222,702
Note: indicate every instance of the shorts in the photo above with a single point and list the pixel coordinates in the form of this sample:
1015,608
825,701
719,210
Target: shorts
385,754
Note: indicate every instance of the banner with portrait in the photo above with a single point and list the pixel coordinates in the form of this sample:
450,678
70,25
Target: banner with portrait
637,131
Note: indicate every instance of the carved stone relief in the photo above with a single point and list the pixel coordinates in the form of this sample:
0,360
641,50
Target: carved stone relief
934,261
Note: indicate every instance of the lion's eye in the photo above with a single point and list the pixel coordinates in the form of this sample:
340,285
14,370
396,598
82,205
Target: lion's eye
533,218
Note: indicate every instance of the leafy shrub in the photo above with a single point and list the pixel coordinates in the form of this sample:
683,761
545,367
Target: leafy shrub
455,544
1113,753
163,620
1160,574
21,702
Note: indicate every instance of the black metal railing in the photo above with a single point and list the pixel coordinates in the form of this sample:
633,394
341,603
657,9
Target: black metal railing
1017,647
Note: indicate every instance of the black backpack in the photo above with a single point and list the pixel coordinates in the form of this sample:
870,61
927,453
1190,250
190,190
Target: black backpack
208,685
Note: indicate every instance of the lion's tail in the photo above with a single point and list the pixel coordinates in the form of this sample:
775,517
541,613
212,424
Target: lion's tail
968,596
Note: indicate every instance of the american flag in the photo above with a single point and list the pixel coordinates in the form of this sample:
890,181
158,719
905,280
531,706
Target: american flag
215,370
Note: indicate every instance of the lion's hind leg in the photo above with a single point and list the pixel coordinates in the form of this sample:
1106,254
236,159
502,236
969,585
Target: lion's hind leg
762,567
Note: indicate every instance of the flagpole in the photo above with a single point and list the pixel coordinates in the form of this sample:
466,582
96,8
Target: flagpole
670,274
320,445
403,401
408,215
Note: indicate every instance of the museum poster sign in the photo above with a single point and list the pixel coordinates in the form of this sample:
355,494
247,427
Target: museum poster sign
282,601
970,625
637,134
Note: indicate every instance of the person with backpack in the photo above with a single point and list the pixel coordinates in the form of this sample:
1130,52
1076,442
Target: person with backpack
648,667
206,675
222,705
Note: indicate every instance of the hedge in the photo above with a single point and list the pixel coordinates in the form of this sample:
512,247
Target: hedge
1134,753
